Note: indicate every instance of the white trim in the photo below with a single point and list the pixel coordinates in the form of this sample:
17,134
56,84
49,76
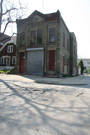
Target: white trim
12,59
2,60
34,49
6,67
7,43
10,48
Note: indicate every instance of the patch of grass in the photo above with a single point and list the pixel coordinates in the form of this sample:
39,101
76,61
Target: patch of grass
7,71
1,71
12,71
66,75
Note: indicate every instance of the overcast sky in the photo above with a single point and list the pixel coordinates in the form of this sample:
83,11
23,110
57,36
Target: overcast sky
76,14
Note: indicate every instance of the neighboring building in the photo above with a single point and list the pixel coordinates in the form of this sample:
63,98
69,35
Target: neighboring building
1,45
8,55
14,39
45,45
86,63
4,38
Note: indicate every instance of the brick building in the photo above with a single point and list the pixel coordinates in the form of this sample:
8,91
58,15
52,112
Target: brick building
45,45
4,38
8,55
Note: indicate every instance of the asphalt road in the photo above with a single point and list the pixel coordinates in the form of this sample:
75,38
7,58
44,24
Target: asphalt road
30,108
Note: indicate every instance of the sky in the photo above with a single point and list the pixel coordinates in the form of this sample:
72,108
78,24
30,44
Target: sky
76,14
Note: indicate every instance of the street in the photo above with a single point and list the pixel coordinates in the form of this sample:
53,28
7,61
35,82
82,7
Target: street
31,108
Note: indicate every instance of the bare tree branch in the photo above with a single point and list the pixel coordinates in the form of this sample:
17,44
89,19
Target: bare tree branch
7,25
9,11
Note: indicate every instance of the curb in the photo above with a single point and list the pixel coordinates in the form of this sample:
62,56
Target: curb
58,83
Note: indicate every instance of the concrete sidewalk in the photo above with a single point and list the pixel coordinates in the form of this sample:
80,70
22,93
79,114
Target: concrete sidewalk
78,80
30,108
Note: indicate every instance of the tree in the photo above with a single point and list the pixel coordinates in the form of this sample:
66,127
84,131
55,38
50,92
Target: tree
10,10
82,66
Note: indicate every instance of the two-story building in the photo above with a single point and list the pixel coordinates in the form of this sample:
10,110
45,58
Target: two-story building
4,38
45,45
8,55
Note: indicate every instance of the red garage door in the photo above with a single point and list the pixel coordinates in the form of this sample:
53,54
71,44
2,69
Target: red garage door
51,60
21,66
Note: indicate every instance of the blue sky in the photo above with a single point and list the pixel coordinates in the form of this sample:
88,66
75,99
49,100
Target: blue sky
76,14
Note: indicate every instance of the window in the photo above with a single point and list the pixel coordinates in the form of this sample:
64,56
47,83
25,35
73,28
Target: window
33,37
22,38
13,60
74,49
67,64
63,62
39,36
10,49
64,39
68,44
52,35
3,60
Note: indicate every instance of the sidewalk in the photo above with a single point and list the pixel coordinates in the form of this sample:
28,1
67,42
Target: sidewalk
31,108
78,80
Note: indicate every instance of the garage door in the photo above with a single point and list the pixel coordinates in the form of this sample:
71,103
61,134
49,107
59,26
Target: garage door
35,61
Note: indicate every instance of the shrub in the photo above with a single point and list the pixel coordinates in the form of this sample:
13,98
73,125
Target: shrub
12,71
65,75
1,71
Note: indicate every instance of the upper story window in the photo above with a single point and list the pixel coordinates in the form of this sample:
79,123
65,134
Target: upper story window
33,37
39,36
68,44
63,39
52,35
74,49
10,49
22,38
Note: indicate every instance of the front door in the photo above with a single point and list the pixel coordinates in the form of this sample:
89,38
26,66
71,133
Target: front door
21,66
51,60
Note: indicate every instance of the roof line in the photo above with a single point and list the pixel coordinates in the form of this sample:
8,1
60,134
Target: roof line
7,44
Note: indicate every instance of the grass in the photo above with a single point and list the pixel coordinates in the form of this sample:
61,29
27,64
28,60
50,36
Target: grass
12,71
1,71
66,75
